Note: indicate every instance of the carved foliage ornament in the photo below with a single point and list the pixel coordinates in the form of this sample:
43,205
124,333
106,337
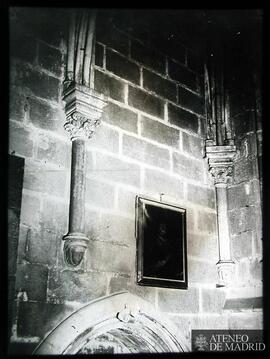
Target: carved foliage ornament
221,174
220,161
84,108
79,126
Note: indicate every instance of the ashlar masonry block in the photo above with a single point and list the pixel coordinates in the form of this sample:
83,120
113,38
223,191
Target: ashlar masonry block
109,86
160,132
159,85
32,279
213,300
112,228
109,257
178,301
49,314
188,167
145,152
148,56
145,102
202,271
20,140
156,182
122,67
120,117
182,74
182,118
99,194
115,169
43,116
75,286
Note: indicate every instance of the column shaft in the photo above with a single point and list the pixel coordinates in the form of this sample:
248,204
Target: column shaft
223,223
77,188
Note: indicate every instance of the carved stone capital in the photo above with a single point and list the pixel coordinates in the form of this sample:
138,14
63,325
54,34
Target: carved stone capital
79,126
225,272
220,162
84,108
221,174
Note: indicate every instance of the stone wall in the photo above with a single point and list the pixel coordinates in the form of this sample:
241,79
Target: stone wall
245,195
37,55
151,141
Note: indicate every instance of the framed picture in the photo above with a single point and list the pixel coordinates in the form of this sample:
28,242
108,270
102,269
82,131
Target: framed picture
161,244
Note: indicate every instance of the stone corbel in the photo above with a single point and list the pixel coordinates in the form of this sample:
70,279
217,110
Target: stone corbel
83,108
220,161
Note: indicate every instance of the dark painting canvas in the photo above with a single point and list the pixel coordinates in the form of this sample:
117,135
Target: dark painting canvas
161,244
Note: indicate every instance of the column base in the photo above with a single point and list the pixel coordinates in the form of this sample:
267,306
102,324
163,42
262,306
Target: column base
225,272
74,248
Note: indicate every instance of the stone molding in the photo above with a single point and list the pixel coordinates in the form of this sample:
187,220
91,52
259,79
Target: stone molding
74,248
114,312
220,162
225,272
128,313
84,108
221,174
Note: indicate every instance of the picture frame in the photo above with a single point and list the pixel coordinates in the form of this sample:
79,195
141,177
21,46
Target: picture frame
161,244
